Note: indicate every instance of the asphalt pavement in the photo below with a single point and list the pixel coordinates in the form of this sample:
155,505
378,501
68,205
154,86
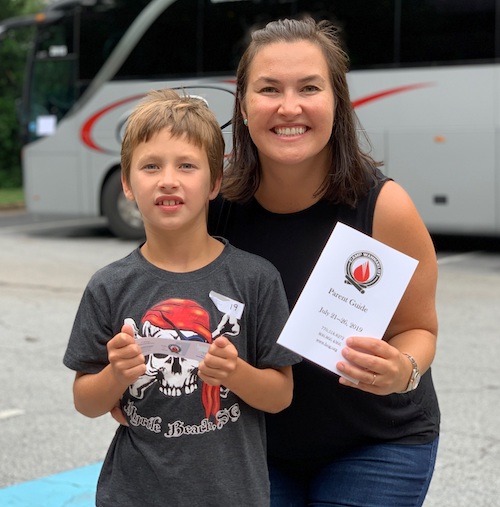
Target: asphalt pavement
48,448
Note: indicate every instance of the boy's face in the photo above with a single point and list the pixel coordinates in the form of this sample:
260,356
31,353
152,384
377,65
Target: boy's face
170,182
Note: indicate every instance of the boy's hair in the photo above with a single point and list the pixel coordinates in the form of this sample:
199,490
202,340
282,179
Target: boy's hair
182,116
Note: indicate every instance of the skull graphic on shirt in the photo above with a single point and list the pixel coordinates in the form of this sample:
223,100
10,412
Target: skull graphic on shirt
180,319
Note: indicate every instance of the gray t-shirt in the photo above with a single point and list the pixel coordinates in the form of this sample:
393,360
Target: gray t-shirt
187,444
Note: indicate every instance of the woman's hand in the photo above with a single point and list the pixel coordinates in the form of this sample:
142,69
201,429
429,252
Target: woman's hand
379,367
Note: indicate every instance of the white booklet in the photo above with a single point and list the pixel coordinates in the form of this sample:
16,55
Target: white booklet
353,290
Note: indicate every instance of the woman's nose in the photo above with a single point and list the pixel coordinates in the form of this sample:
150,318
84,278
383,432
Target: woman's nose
290,104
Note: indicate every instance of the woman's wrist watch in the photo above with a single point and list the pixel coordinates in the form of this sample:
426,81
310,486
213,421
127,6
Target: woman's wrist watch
414,377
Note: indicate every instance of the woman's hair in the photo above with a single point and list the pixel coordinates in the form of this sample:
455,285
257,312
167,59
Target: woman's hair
348,178
182,116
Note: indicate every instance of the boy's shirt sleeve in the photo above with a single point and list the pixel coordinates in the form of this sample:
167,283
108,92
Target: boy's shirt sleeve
86,351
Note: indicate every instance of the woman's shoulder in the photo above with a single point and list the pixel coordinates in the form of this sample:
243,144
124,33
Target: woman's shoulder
394,204
398,223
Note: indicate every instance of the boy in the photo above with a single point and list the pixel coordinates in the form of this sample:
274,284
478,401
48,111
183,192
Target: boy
196,433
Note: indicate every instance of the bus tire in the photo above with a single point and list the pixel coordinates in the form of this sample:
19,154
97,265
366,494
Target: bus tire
124,219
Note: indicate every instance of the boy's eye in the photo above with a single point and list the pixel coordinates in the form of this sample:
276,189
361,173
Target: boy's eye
150,167
187,165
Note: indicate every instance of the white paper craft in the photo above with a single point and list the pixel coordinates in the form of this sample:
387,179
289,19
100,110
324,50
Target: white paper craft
353,290
186,349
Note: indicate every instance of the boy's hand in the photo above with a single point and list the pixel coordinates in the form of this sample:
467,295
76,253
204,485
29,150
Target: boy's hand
125,356
219,362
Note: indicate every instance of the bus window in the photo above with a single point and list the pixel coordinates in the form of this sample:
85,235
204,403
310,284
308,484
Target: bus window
101,27
447,31
170,47
221,54
234,20
366,28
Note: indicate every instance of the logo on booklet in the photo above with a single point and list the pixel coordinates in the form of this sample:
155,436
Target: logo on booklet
362,270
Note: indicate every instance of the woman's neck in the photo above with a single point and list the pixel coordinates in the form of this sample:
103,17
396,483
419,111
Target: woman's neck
289,189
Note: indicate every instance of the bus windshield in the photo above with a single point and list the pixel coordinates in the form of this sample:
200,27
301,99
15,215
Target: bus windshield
52,88
67,54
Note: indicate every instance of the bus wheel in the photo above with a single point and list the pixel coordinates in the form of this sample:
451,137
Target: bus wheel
124,219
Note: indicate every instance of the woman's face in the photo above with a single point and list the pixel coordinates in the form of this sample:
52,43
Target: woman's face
289,103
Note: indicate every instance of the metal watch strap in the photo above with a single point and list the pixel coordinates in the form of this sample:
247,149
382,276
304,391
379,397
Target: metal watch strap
414,373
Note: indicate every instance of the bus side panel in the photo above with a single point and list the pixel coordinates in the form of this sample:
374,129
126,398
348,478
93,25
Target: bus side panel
52,179
438,140
96,167
452,181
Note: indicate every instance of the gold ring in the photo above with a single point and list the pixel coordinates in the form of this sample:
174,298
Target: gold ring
374,378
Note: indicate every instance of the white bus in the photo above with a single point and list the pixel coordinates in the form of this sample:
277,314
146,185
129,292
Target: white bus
424,81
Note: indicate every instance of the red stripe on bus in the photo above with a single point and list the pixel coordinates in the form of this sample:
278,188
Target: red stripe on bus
86,132
385,93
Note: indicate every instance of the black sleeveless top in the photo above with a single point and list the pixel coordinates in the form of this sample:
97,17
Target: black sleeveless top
325,419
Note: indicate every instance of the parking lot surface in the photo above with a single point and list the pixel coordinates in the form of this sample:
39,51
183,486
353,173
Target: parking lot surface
51,455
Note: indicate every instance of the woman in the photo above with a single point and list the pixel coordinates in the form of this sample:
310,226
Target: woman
295,170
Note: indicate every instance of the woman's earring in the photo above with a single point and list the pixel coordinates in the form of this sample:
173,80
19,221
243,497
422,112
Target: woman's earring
245,122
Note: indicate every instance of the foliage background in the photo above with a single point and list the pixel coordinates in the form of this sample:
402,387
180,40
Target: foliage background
13,53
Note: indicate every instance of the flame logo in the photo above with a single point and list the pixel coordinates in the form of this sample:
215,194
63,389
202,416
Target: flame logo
363,269
362,272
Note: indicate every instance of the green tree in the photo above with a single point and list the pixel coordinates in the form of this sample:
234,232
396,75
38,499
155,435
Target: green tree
13,52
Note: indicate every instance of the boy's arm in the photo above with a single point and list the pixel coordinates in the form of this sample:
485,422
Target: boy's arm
96,394
266,389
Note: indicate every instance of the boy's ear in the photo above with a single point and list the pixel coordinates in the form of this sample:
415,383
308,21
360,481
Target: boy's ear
127,190
215,189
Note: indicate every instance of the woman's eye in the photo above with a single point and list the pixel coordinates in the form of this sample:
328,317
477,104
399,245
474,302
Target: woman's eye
310,89
268,89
